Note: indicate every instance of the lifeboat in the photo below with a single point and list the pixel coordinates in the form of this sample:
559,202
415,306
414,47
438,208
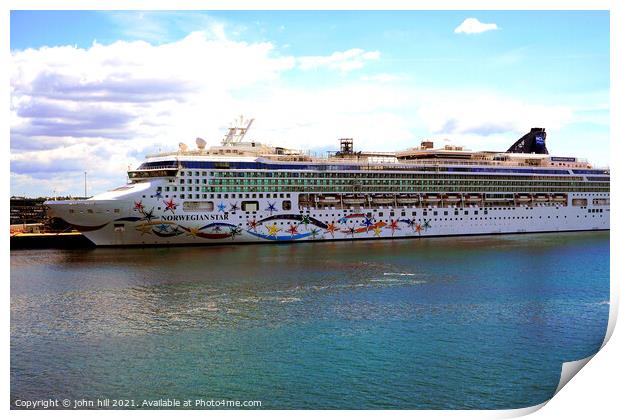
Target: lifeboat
559,197
328,199
353,200
431,198
383,200
522,198
473,198
541,198
452,198
407,199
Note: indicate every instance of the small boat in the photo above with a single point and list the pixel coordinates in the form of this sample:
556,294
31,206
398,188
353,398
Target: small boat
328,200
473,198
383,200
406,199
353,200
453,198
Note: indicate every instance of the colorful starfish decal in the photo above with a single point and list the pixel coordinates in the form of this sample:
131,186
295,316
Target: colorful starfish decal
137,205
394,226
305,220
273,230
234,231
234,207
163,227
271,208
418,228
158,195
367,222
377,231
144,229
314,232
253,224
351,231
427,225
292,230
170,205
148,215
221,207
193,231
331,228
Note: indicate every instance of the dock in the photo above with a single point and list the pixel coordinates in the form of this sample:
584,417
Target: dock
64,240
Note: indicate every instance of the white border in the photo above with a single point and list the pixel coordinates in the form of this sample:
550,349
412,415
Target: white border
593,394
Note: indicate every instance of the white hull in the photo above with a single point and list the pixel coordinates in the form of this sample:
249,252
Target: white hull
130,226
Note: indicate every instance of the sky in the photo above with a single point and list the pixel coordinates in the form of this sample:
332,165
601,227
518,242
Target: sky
96,91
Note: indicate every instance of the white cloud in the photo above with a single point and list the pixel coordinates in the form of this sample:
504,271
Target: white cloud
487,115
384,78
103,108
343,61
474,26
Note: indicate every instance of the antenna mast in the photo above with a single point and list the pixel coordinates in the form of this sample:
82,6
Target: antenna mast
237,131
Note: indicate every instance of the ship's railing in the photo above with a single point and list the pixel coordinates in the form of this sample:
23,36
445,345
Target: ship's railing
158,168
363,161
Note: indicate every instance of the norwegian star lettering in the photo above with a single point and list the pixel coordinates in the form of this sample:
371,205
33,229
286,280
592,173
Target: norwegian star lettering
194,217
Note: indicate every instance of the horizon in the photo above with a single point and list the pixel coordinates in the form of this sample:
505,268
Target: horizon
96,91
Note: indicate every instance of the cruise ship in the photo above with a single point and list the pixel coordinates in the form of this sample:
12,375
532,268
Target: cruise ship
244,191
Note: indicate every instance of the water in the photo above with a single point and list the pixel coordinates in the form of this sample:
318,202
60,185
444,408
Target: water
443,323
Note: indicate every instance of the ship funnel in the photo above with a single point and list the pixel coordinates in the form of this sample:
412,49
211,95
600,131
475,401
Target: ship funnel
532,142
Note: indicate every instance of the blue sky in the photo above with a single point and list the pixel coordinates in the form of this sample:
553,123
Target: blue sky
96,90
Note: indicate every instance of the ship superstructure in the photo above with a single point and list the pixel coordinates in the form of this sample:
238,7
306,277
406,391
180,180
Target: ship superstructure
246,191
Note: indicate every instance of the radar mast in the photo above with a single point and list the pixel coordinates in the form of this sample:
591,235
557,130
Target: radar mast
237,131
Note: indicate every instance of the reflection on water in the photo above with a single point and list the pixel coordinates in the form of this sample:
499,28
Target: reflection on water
432,323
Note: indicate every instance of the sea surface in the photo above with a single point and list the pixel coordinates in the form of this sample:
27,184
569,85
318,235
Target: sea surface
424,323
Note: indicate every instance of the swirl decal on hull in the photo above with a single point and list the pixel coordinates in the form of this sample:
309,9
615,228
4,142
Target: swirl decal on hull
281,237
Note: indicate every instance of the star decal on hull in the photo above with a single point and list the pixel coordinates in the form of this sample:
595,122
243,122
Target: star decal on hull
158,195
273,230
253,224
271,208
144,229
170,205
234,207
234,231
394,226
148,215
163,227
193,231
292,230
221,207
137,205
418,228
377,230
314,232
332,228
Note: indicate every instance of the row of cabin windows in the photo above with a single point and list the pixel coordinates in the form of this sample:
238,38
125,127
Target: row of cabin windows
366,182
360,176
268,195
405,189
